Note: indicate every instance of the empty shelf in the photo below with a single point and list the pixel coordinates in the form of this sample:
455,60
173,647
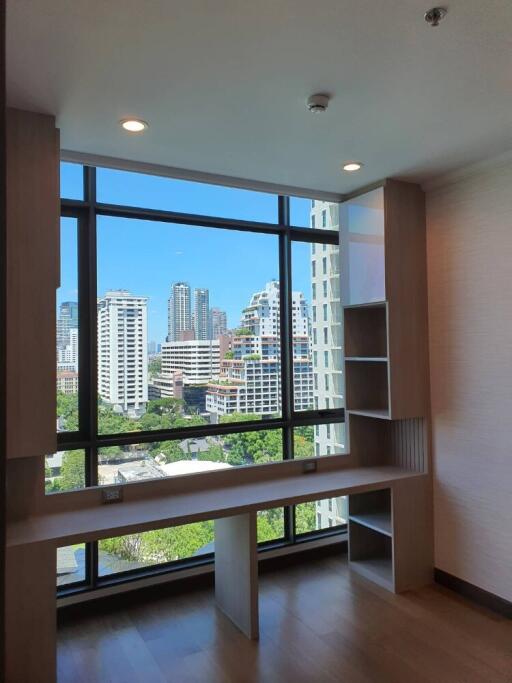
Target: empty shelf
372,412
378,521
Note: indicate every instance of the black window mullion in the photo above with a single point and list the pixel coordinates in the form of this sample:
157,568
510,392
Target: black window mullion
286,332
91,314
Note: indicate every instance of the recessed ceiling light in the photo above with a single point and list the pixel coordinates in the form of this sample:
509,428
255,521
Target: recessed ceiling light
352,166
133,125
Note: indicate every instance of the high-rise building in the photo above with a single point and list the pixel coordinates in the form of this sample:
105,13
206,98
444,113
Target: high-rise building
262,315
326,336
67,355
218,322
179,318
66,321
250,381
202,314
122,351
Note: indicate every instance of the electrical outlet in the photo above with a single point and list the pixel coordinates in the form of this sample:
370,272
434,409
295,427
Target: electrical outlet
114,494
308,467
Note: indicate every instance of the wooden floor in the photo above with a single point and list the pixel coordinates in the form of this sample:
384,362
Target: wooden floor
318,624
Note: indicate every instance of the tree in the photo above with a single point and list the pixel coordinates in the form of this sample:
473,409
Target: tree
171,450
243,332
171,407
155,366
72,471
229,355
161,545
67,410
305,517
215,453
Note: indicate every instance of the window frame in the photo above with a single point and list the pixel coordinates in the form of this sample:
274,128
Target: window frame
86,211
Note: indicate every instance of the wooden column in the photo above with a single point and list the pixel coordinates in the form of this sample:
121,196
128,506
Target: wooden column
32,257
32,264
31,614
236,571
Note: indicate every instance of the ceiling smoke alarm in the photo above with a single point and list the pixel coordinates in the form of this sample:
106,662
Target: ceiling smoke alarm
318,103
435,15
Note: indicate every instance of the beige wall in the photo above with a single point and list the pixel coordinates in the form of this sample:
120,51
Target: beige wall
469,241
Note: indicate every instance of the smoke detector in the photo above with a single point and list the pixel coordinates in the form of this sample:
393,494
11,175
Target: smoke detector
318,103
435,15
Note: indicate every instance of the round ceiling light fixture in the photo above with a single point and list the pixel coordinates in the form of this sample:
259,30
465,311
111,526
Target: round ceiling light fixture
134,125
318,103
352,166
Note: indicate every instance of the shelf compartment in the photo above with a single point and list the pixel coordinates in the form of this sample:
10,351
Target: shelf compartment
366,385
378,521
371,554
365,331
372,510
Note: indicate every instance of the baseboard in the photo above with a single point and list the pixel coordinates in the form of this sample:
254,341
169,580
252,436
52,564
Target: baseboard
478,595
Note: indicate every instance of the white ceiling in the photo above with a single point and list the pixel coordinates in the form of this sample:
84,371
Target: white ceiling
223,83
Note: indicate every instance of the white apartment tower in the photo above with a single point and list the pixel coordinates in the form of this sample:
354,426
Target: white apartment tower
122,351
67,355
262,315
326,343
202,314
250,381
179,317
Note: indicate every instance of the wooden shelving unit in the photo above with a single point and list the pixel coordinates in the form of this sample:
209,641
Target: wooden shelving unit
386,379
371,536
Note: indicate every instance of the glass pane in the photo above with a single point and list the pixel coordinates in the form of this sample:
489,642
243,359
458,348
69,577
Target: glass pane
318,381
270,525
71,181
70,564
362,238
317,440
183,339
169,194
320,514
64,471
138,462
125,553
67,328
313,213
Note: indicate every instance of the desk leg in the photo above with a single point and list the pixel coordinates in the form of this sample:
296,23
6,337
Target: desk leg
31,614
236,571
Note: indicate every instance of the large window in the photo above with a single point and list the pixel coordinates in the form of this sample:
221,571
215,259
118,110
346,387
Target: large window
201,327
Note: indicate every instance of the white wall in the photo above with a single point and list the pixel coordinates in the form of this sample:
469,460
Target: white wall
469,242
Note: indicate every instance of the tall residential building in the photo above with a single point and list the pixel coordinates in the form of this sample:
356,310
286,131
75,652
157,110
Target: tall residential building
326,340
67,355
66,321
202,314
179,318
250,381
122,351
218,323
262,315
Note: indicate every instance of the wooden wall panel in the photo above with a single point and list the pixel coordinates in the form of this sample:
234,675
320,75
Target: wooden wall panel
32,277
408,444
469,239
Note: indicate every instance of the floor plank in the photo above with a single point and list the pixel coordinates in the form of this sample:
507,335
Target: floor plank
318,622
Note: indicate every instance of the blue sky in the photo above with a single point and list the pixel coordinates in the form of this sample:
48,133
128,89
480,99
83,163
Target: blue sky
146,257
